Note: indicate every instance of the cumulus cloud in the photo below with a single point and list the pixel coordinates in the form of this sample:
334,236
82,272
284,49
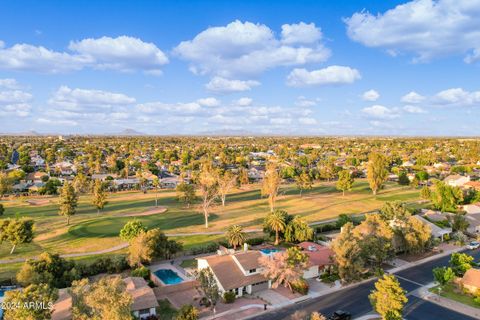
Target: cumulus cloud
120,54
426,28
209,102
222,85
246,48
88,99
300,33
189,108
332,75
307,121
244,101
380,112
370,95
412,97
413,109
9,83
457,97
15,102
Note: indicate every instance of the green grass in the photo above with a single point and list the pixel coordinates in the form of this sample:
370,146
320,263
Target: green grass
165,311
91,232
451,292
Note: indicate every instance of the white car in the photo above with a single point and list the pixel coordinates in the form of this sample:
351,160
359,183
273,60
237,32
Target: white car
473,245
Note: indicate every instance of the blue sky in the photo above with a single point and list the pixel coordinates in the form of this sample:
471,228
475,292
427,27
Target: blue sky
193,67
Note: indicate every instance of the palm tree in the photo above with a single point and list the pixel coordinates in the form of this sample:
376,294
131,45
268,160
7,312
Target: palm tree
235,236
156,184
276,221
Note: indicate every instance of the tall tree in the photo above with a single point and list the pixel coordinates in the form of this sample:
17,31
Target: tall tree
41,293
132,229
303,182
377,172
102,299
5,183
375,240
285,267
225,183
461,262
209,286
443,275
271,184
99,199
156,185
275,220
68,201
235,236
208,185
80,183
348,254
345,181
388,298
298,230
445,197
186,193
16,231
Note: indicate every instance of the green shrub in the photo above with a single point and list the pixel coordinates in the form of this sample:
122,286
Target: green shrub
300,286
141,272
229,297
255,241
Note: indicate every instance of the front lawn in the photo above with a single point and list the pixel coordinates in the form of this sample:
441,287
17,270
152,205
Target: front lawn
451,291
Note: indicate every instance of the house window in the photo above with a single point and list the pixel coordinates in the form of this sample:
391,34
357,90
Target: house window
253,270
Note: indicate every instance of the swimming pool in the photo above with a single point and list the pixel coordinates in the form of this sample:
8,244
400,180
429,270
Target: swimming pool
269,251
168,276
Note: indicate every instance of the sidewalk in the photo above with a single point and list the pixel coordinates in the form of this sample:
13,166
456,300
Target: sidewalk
423,293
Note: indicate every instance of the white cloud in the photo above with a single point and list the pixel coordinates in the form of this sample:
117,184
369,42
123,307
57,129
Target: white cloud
87,99
121,54
280,121
332,75
300,33
413,109
25,57
307,121
380,112
304,102
426,28
244,101
15,102
209,102
457,97
245,48
370,95
57,122
9,83
154,108
412,97
222,85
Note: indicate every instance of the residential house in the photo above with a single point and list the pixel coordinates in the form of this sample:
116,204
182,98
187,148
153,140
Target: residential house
238,272
65,168
437,232
474,223
456,180
35,177
471,280
170,182
473,185
255,174
144,301
318,258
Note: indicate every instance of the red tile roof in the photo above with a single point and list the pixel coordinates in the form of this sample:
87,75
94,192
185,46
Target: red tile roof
318,255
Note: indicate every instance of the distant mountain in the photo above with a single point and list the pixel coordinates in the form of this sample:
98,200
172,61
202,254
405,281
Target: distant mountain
30,133
130,132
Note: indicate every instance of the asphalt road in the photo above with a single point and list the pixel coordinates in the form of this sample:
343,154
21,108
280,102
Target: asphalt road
355,299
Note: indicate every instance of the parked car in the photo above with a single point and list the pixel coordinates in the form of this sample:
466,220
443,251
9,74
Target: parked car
473,245
340,315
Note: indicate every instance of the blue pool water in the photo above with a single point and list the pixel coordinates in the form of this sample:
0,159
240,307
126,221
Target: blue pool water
168,276
269,251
